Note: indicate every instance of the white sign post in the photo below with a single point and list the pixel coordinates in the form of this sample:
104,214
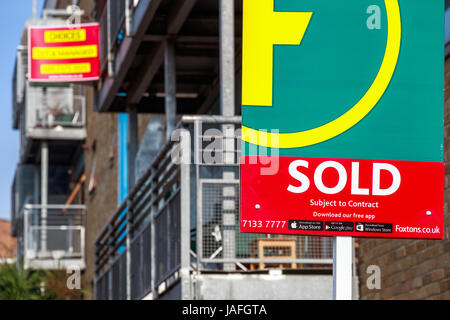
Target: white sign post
342,268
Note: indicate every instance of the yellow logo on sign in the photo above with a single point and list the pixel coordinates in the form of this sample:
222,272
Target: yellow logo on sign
264,28
66,68
76,35
257,20
64,53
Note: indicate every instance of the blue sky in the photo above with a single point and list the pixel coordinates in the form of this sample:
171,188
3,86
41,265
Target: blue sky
12,22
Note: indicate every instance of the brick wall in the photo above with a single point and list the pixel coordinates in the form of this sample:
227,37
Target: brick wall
7,243
412,269
101,145
101,202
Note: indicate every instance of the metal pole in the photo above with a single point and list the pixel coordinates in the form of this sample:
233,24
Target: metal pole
153,257
128,18
110,56
342,268
25,238
227,54
128,252
185,217
95,291
154,210
34,9
44,195
170,87
37,184
199,219
110,261
227,106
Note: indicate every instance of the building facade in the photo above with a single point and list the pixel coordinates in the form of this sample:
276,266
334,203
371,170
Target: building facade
155,170
202,39
48,205
170,87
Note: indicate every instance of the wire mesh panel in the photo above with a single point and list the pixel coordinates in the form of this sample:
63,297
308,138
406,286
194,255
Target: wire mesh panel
146,261
161,250
123,277
115,269
167,229
213,204
101,287
136,267
174,235
141,264
222,241
119,290
105,286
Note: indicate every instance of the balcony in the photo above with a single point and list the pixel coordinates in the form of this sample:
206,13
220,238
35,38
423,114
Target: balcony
134,50
177,234
51,237
112,27
55,113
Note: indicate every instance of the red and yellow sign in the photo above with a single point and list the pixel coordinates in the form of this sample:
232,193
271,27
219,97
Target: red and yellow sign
347,197
64,54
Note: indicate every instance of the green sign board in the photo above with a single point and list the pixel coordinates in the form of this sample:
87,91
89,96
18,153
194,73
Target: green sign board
387,53
357,84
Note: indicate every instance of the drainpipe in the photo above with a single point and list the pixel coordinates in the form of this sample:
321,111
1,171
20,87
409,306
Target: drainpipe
132,146
123,158
44,195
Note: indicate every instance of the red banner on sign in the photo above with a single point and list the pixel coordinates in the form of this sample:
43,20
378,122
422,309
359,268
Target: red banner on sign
64,54
342,197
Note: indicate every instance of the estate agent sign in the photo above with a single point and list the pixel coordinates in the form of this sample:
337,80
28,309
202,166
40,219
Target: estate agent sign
342,105
64,54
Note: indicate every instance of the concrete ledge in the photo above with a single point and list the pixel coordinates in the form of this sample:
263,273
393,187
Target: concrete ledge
51,264
55,134
265,287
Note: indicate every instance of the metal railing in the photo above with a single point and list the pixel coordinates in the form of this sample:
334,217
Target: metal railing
150,214
62,109
51,235
112,29
18,85
183,217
